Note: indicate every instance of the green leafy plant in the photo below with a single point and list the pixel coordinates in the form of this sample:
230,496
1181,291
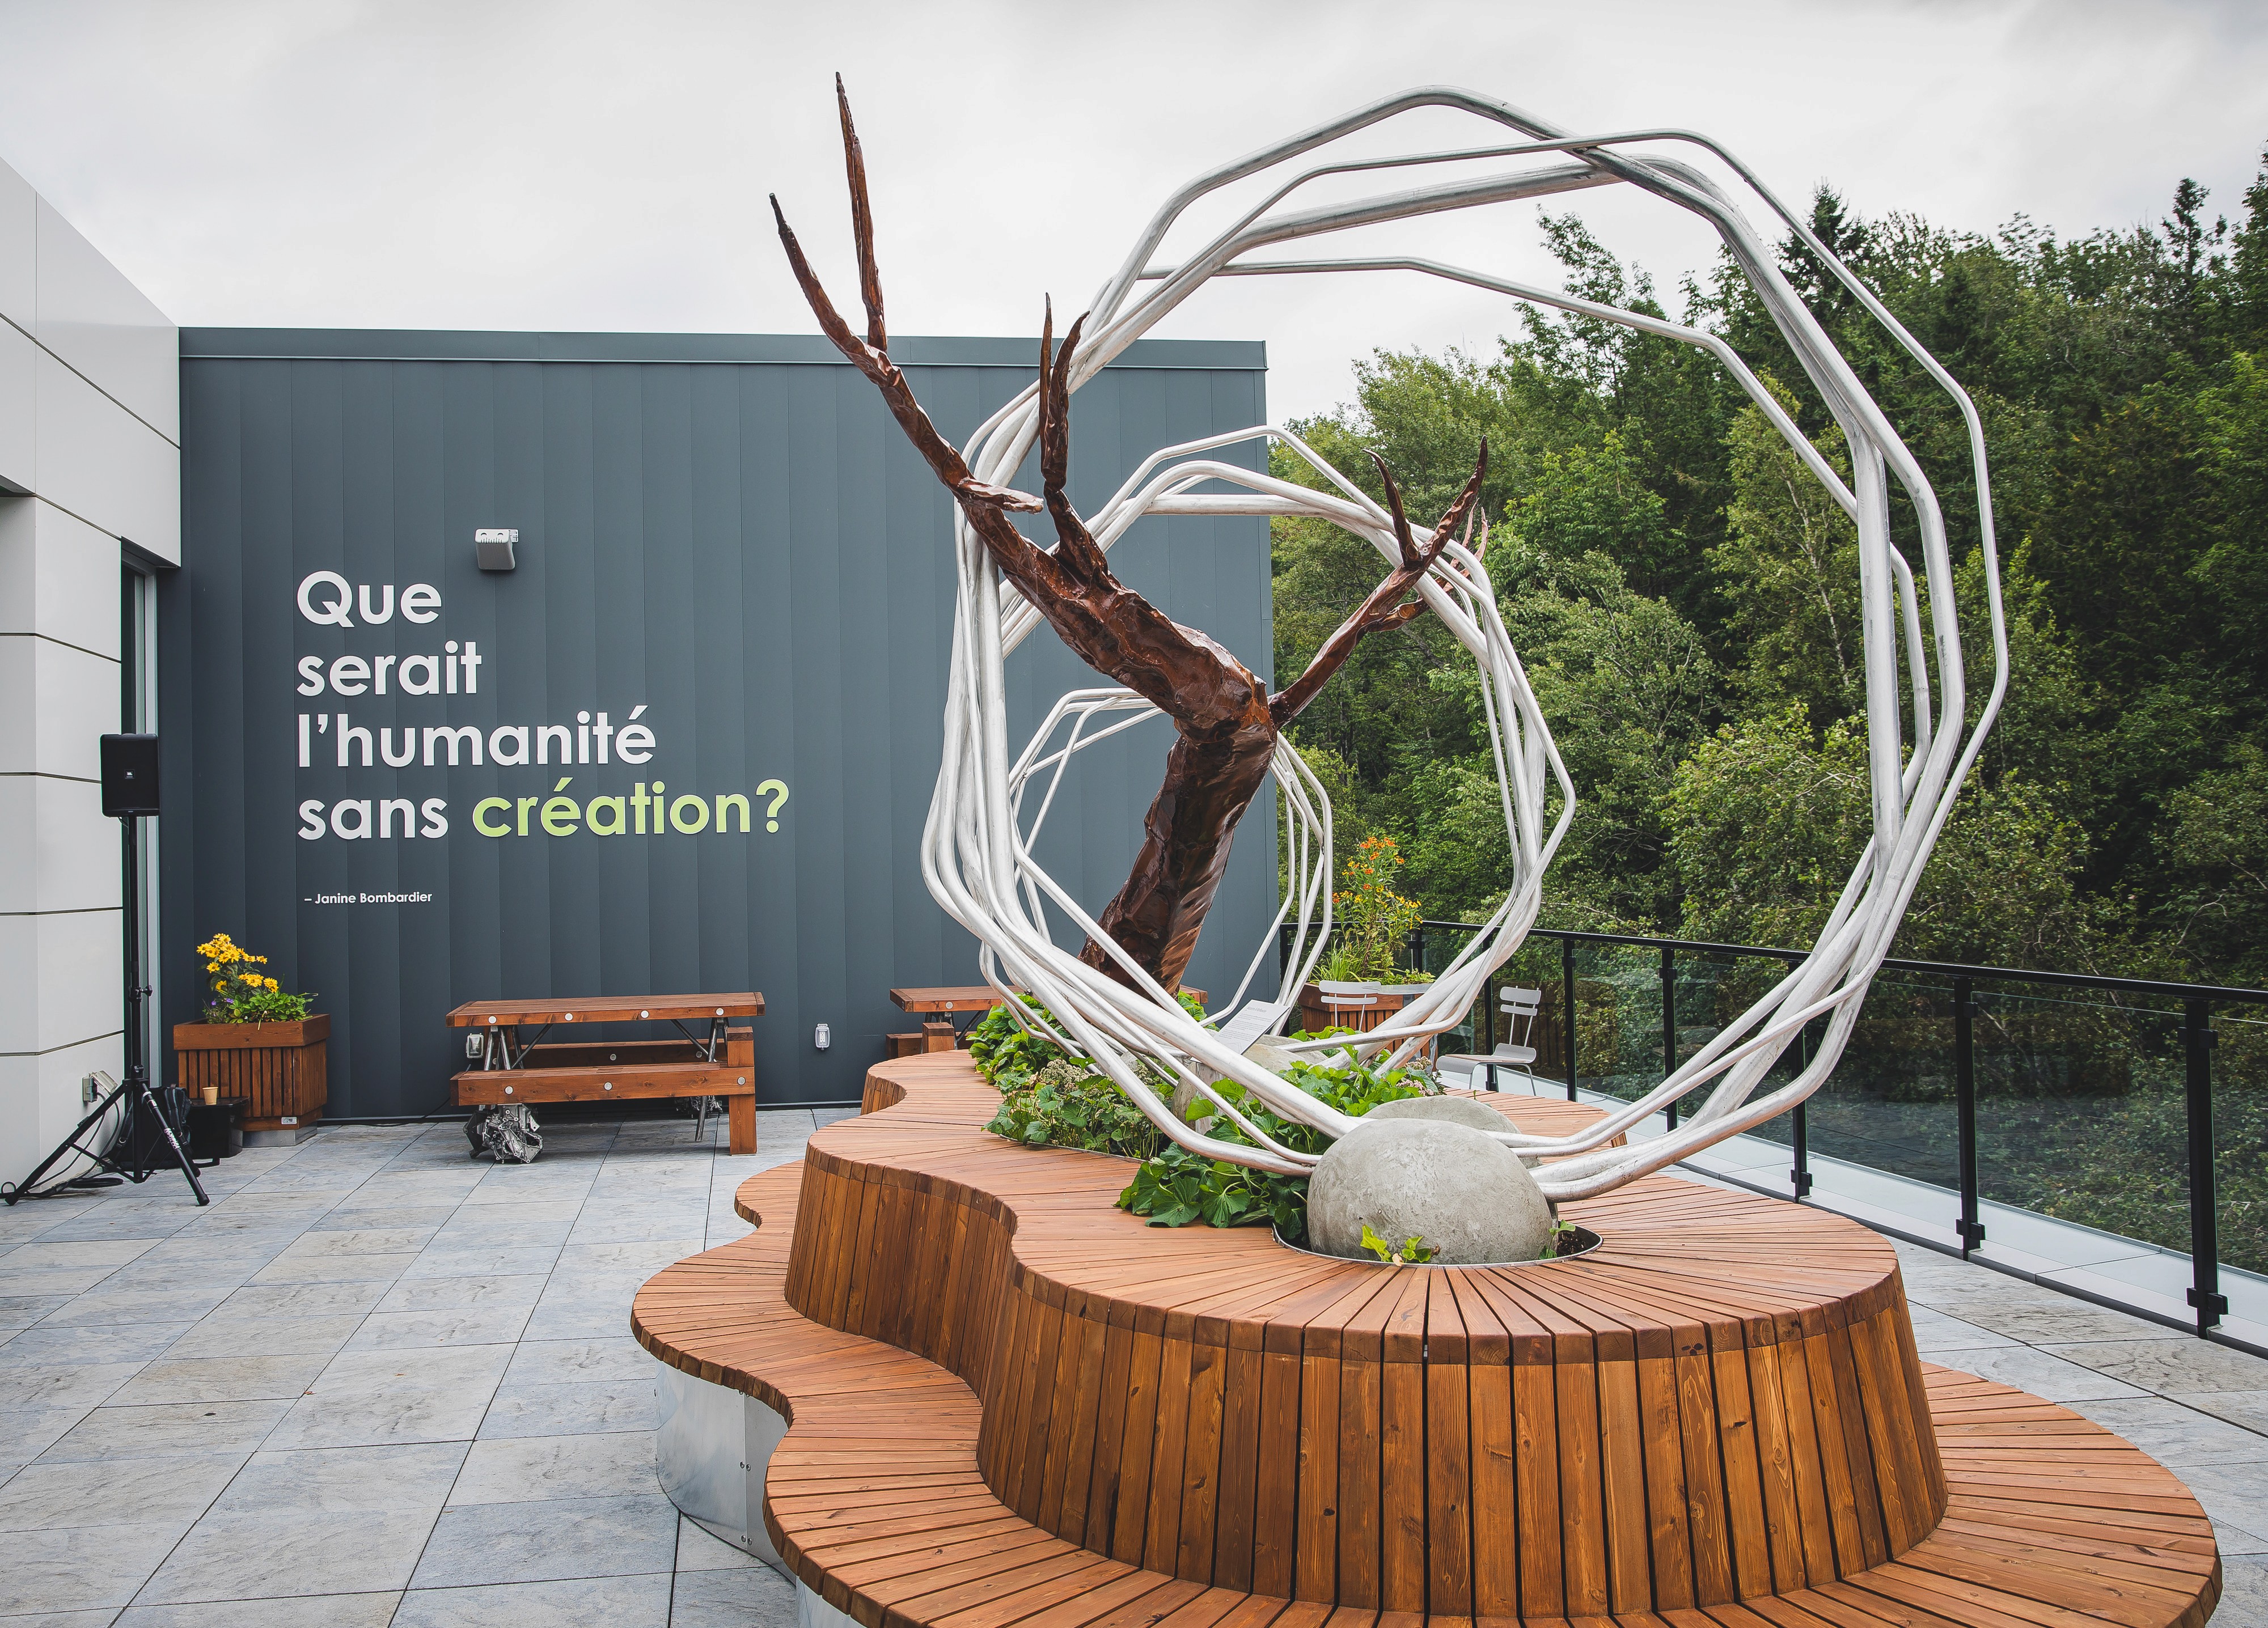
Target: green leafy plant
1006,1053
1176,1187
1563,1241
1049,1098
1415,1252
1339,964
242,994
1066,1105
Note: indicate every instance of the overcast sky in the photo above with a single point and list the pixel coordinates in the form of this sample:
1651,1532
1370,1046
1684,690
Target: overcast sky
574,165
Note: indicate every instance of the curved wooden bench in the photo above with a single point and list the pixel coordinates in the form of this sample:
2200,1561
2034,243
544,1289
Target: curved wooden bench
1422,1449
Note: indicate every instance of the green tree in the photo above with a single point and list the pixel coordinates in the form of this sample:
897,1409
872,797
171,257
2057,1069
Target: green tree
1685,595
1767,821
2216,839
1789,568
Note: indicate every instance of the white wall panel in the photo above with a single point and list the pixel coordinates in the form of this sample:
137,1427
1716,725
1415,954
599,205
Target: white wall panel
19,723
18,445
90,416
19,564
19,859
19,254
92,317
105,466
60,703
70,961
78,582
71,861
39,1100
58,577
20,1118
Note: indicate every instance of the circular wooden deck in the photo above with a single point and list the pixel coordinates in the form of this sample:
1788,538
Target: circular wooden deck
1012,1399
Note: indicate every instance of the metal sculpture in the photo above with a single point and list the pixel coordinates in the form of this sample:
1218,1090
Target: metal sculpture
1114,999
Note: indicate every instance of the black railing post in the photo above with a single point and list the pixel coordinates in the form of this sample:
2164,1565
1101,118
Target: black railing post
1567,1004
1798,1177
1670,1025
1964,1097
2204,1206
1488,1013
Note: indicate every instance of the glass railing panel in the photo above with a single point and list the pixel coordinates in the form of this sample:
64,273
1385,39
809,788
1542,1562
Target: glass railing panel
2081,1111
2080,1092
1535,964
1889,1104
2239,1139
1713,991
1432,949
1617,1019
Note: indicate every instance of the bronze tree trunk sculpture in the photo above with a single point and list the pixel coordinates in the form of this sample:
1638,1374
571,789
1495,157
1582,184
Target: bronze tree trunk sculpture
1226,722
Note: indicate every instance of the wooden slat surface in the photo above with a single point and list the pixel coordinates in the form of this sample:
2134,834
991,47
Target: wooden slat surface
599,1071
961,998
1083,1488
946,998
605,1009
599,1085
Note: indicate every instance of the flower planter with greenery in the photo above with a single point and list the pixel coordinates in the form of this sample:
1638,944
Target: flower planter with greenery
1372,921
258,1042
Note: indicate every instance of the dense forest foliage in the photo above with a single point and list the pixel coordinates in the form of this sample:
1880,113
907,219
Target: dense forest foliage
1685,598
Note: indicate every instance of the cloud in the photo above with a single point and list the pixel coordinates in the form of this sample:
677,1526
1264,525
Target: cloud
600,166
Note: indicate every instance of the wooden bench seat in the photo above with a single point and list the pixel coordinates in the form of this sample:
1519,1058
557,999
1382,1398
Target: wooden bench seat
894,1498
591,1070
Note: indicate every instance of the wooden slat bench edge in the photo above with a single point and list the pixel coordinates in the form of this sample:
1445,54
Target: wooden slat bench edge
722,1316
487,1087
606,1009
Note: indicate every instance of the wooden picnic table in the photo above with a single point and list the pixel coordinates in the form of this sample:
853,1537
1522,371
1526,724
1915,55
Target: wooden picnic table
517,1068
942,1035
952,1001
606,1009
946,998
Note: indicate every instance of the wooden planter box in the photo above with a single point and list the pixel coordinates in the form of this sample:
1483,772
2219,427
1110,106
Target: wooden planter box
1385,1001
279,1068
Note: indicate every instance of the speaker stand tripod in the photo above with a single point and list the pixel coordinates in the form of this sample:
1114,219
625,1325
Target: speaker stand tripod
125,1154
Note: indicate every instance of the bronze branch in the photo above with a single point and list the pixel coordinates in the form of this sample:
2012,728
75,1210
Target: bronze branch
1226,722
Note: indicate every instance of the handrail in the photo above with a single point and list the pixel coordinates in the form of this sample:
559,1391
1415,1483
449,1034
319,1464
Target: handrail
1950,969
2195,1002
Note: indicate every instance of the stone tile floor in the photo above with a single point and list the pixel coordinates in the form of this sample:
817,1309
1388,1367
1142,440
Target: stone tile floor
376,1382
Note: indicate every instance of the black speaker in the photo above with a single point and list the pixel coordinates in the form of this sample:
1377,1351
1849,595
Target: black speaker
130,776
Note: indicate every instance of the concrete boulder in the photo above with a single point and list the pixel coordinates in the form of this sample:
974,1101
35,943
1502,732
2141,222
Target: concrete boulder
1455,1110
1465,1194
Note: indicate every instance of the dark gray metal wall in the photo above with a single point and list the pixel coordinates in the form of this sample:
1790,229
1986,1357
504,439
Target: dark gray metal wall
727,530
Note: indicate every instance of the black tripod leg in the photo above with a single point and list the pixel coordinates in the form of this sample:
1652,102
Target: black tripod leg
148,1106
30,1185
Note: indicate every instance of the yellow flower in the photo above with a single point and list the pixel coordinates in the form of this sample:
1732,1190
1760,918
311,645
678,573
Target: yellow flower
272,984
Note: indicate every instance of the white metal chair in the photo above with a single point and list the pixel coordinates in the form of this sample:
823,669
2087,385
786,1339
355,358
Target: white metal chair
1340,1007
1519,1007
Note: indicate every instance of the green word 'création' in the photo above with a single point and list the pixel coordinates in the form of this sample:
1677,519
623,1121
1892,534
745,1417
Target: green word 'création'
647,811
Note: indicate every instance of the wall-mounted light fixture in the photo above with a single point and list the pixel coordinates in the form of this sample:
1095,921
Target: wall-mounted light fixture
494,545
